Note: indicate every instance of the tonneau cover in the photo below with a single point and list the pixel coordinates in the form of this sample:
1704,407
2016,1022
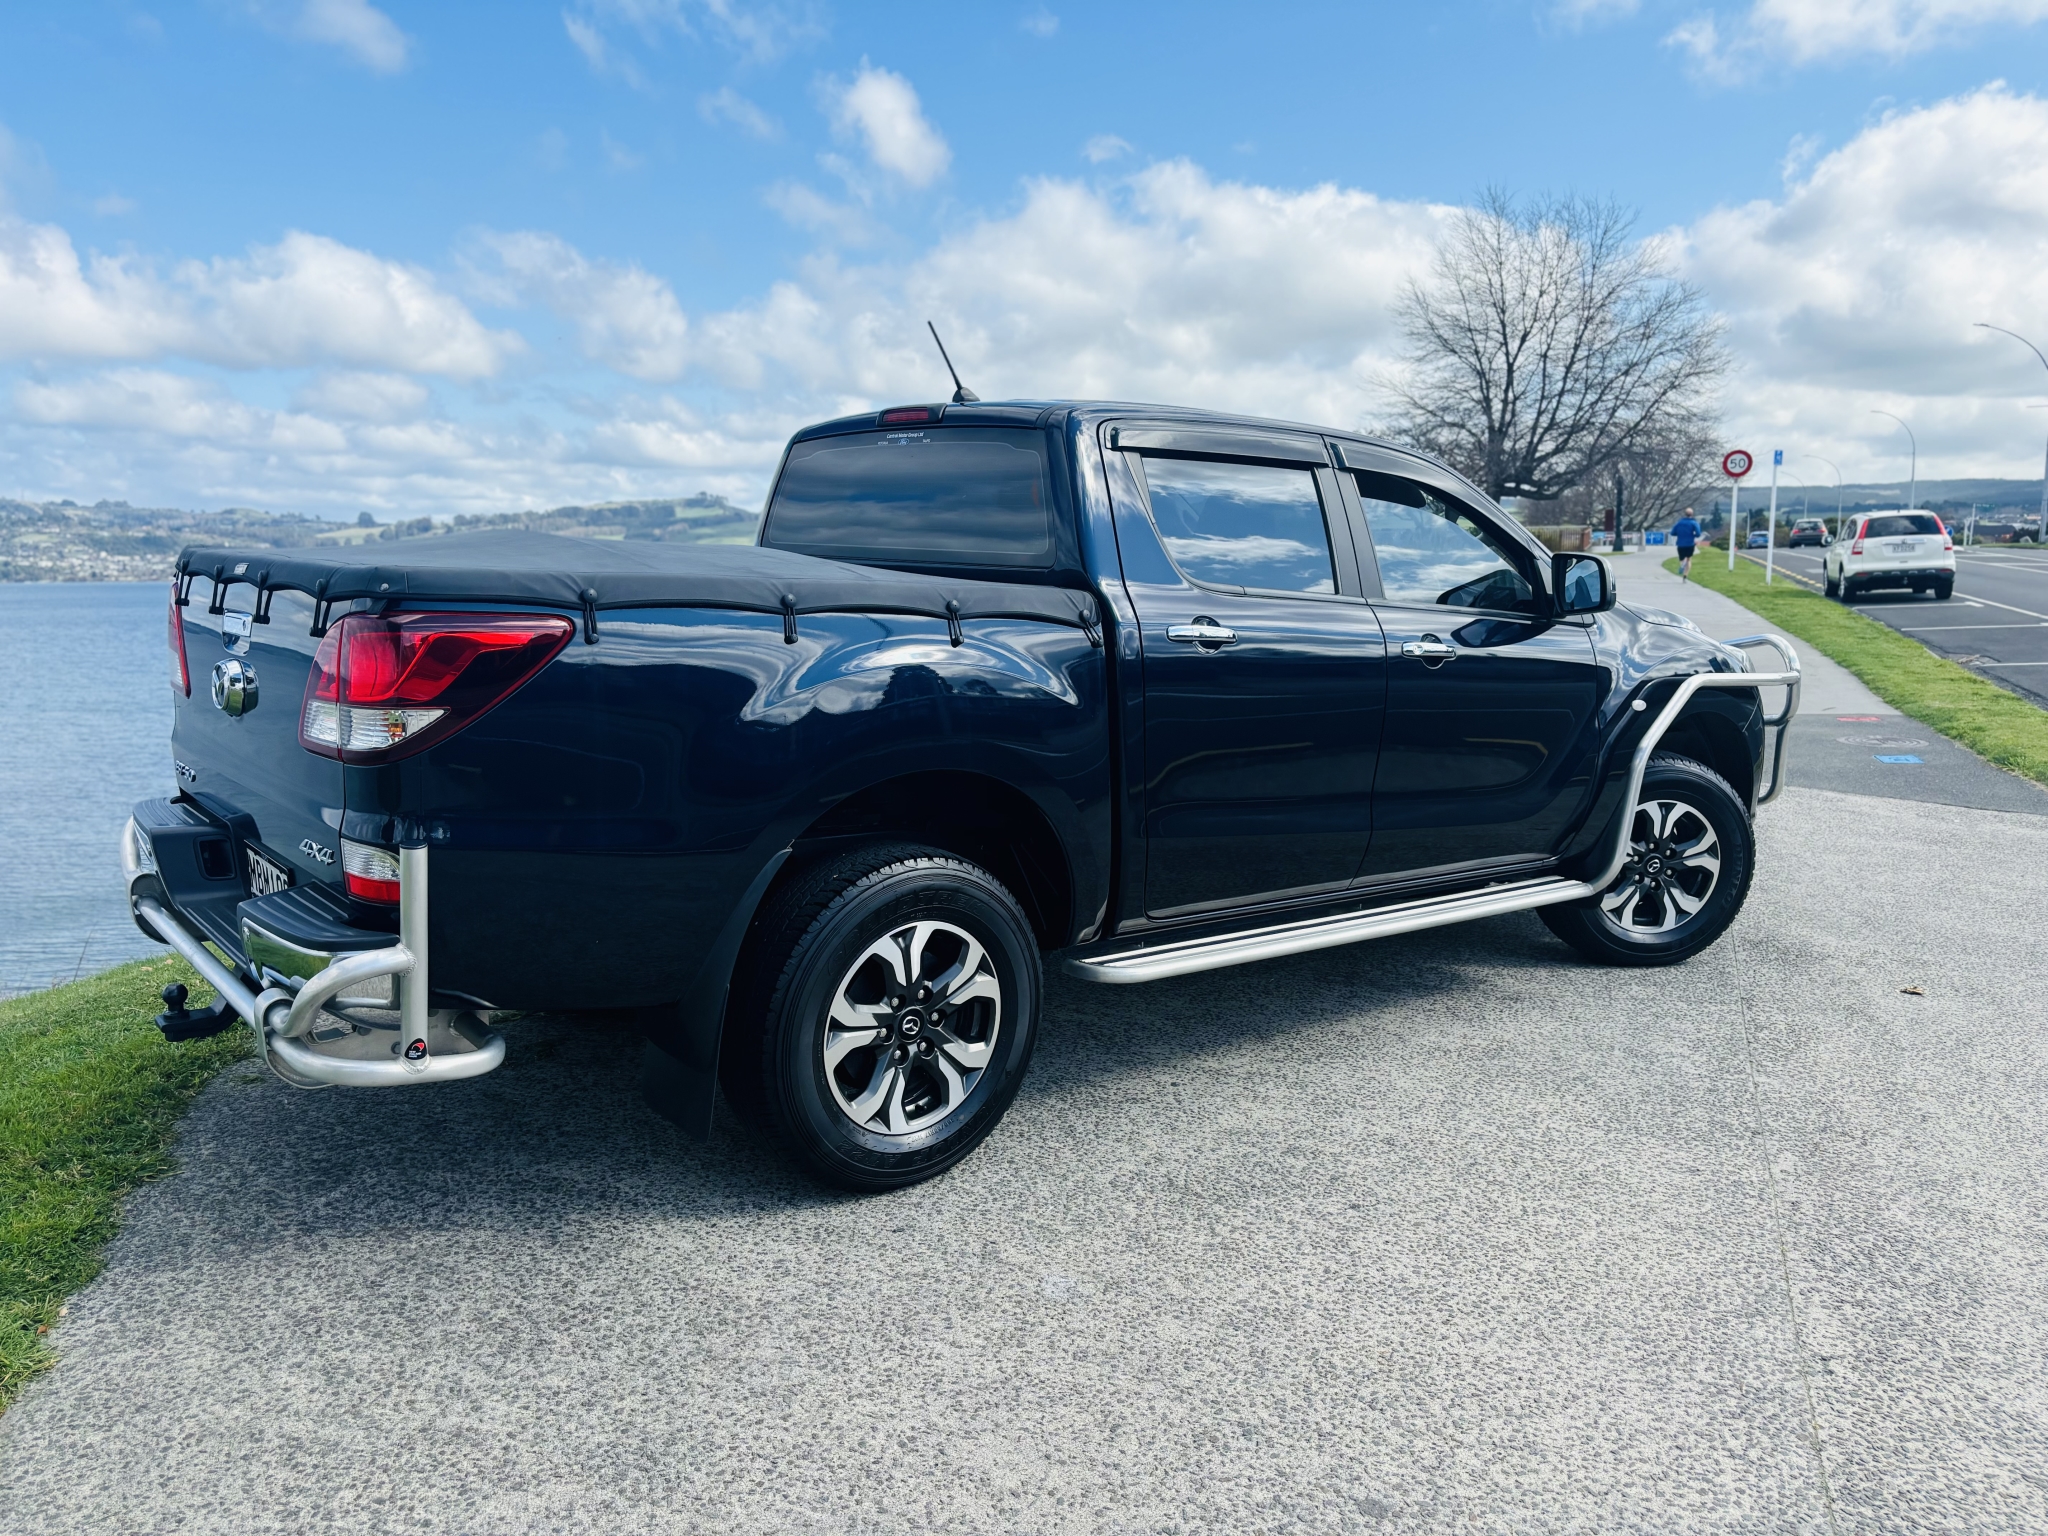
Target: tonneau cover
593,574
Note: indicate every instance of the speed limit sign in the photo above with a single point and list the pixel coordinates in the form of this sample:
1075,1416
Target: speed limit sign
1736,464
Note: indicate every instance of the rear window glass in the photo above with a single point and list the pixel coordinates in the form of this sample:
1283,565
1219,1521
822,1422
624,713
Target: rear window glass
1901,524
943,496
1254,526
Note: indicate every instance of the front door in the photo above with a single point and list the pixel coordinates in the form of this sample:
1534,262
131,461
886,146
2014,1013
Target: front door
1265,676
1489,750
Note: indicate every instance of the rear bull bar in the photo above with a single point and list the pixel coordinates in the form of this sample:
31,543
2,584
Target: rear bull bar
281,1017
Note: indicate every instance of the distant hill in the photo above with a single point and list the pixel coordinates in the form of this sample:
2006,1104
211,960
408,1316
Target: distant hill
112,541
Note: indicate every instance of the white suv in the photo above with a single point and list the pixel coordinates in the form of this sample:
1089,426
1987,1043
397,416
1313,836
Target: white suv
1891,549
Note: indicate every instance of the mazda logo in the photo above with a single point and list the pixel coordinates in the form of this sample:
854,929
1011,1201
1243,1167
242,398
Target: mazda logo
234,686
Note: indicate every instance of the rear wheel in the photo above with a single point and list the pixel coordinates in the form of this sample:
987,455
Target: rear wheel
884,1015
1830,586
1945,588
1691,852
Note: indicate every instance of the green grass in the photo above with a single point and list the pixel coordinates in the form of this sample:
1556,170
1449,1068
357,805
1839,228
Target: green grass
89,1096
1994,724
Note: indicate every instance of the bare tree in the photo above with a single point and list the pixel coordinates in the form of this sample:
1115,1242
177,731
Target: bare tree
1548,347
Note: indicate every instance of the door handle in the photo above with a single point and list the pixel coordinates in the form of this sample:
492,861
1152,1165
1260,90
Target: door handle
1431,650
1204,632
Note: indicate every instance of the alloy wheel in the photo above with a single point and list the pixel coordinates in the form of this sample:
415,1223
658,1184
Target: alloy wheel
913,1026
1674,863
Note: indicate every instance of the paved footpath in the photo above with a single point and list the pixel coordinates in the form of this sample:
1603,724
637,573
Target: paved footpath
1446,1233
1845,737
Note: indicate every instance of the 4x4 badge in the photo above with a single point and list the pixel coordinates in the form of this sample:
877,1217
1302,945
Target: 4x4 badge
316,853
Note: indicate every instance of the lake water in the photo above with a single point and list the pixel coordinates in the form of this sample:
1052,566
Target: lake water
85,732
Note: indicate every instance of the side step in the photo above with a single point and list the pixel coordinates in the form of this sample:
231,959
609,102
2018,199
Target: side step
1219,950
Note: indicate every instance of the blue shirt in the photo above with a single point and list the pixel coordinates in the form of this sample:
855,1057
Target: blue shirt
1685,531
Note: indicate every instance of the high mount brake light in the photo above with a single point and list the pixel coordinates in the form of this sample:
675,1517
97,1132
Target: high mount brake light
181,674
386,686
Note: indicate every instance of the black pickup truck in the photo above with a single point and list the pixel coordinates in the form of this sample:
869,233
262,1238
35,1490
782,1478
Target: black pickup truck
1146,691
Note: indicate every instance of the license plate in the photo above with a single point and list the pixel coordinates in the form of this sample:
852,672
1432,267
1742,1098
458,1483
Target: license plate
1903,547
266,876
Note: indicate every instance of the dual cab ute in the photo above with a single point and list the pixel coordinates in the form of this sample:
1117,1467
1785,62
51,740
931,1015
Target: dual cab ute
1145,691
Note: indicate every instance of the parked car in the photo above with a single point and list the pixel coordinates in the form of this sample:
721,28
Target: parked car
1759,538
1146,691
1809,531
1891,549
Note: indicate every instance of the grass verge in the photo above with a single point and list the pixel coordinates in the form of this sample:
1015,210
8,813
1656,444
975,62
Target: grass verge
1996,725
89,1096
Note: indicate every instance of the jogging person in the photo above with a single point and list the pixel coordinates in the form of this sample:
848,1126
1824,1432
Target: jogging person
1685,533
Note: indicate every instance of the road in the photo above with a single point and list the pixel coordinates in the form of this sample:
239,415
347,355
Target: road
1997,622
1445,1233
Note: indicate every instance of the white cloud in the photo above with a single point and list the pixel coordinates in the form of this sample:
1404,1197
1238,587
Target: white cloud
1789,33
806,208
1040,22
1859,287
882,109
1582,12
1175,287
356,27
305,300
625,317
112,205
760,33
727,105
363,396
1104,147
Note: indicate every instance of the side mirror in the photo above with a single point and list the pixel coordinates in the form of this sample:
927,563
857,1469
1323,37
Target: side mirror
1581,584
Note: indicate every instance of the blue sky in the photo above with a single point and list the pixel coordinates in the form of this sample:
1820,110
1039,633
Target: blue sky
324,254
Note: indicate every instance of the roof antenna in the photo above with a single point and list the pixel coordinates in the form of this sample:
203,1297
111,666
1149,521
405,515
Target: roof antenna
962,395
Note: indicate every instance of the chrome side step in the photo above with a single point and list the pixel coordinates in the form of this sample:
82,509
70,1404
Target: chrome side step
1224,949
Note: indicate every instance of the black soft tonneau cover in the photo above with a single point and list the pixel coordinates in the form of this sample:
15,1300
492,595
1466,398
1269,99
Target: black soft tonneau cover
587,575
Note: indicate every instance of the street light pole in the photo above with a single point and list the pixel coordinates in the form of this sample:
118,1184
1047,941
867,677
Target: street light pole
1831,464
1913,491
1984,325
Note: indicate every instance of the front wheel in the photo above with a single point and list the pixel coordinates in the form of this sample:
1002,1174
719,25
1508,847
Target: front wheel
1691,852
883,1016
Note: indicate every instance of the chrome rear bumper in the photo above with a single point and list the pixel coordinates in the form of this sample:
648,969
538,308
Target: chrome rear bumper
283,1006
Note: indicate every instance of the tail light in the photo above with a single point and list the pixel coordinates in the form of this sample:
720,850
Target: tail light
181,675
1857,547
370,872
386,686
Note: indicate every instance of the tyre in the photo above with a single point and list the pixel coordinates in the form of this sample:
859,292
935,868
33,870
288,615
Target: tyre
883,1015
1848,589
1945,589
1829,586
1691,853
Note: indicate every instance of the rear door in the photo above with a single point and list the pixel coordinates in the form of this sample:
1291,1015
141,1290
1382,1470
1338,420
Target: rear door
1265,676
1489,749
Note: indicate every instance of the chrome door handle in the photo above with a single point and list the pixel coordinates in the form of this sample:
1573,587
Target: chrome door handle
1202,632
1429,648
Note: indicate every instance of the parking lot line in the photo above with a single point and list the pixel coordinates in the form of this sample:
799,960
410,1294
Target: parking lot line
1932,629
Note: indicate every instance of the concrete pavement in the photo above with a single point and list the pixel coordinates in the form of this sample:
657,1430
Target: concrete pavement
1443,1233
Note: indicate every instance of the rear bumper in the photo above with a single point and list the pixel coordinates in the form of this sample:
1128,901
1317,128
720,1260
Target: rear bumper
1896,576
344,1007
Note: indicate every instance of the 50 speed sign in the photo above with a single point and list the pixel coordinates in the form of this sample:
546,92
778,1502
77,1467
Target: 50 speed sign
1736,464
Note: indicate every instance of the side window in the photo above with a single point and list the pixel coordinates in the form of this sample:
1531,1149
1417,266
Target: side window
1256,526
1431,549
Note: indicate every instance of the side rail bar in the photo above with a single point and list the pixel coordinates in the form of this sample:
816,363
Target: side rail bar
1156,962
280,1017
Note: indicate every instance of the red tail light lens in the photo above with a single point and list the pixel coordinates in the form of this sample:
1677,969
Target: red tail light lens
370,872
181,675
384,687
